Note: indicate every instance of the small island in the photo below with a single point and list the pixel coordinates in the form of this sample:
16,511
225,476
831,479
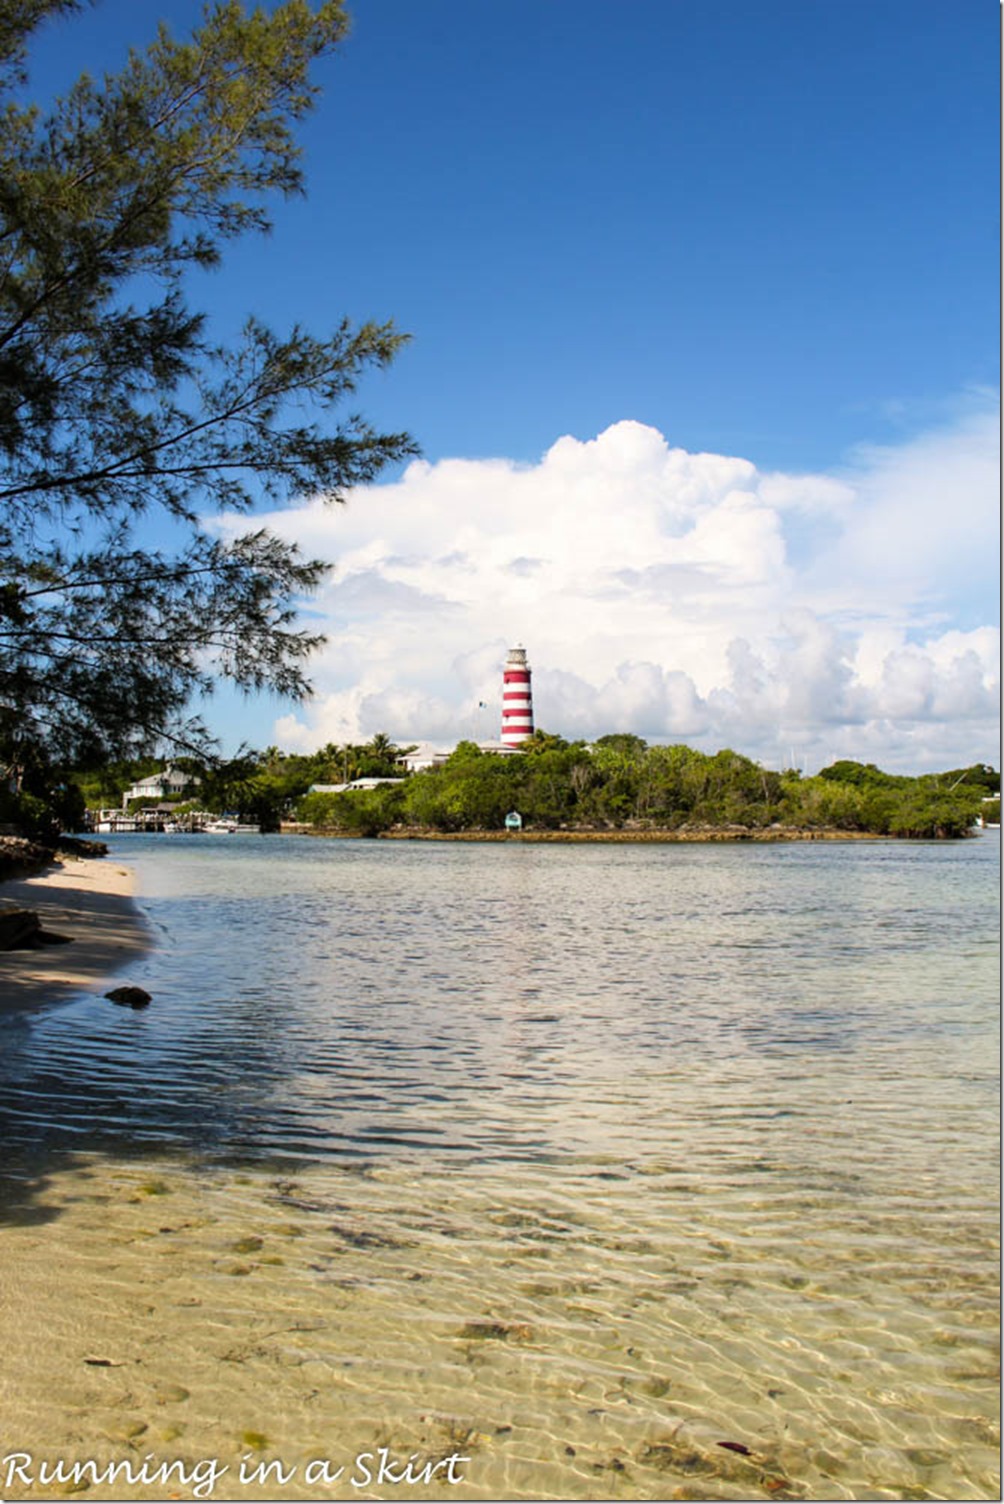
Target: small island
620,788
615,788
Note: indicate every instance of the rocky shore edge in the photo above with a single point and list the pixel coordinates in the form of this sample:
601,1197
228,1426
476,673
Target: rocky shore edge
685,834
20,857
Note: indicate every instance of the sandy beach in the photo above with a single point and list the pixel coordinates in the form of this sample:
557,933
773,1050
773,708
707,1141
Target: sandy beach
89,900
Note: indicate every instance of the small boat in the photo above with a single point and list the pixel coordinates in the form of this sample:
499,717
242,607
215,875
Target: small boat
230,828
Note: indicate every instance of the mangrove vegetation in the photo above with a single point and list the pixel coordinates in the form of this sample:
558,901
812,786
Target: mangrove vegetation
617,783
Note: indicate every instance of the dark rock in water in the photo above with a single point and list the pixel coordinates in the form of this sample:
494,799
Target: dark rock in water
129,997
21,929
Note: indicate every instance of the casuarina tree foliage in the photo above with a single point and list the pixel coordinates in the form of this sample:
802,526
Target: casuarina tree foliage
121,419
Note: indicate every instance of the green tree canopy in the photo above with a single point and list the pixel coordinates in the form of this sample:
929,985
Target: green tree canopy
116,405
615,785
859,774
622,741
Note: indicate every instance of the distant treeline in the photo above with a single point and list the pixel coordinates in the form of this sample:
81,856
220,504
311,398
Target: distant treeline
618,782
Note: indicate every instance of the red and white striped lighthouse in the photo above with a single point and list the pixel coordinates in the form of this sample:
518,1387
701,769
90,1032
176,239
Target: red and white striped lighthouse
517,699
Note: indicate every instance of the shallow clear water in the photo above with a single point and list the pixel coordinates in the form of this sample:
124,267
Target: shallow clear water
587,1159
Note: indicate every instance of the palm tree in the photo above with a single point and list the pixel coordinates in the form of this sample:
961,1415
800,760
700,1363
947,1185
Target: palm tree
381,745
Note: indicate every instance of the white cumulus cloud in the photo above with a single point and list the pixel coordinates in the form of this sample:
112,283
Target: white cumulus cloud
680,596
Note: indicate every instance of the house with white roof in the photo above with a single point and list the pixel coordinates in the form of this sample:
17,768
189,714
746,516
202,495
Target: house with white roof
170,784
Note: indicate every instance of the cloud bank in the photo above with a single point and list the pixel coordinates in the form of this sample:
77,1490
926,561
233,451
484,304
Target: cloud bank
684,597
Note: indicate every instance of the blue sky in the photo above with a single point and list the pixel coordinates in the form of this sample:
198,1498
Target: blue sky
764,234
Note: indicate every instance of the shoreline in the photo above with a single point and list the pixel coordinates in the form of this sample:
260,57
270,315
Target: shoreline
89,899
678,837
682,836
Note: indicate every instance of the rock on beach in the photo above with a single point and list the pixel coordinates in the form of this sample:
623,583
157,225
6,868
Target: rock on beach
69,895
21,929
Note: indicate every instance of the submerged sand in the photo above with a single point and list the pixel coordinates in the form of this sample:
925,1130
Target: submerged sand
89,901
759,1268
561,1336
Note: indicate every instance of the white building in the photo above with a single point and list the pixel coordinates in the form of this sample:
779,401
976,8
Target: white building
345,788
170,784
501,749
423,758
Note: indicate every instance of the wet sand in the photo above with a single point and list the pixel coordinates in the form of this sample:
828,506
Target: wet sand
88,900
